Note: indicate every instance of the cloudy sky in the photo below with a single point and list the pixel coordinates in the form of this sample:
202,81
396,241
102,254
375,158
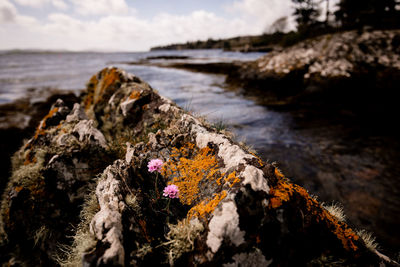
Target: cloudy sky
130,25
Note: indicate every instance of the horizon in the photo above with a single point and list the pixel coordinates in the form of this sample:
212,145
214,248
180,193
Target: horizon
130,25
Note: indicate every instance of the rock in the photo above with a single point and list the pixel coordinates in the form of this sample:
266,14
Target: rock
347,69
233,209
18,120
50,178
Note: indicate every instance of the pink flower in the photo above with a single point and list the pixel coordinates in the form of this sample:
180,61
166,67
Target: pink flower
155,165
171,191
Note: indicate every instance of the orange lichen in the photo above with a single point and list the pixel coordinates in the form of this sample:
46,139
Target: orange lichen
30,158
204,208
142,224
192,170
279,174
109,77
232,179
96,88
258,159
38,190
88,100
189,173
134,95
284,192
280,194
18,188
40,130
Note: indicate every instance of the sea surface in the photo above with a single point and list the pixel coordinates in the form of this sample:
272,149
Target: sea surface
338,157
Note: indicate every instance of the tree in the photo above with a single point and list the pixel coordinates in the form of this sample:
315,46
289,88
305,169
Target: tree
376,13
279,25
306,13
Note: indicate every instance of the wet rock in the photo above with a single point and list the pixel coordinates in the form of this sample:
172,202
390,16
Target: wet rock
233,209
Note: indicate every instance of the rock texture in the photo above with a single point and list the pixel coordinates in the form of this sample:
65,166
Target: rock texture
19,119
340,67
233,208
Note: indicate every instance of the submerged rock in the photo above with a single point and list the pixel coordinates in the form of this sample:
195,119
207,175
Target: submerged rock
233,209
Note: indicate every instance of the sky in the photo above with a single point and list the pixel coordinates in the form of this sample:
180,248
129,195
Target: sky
131,25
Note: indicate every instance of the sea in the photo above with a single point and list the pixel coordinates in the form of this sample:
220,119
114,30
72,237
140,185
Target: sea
335,157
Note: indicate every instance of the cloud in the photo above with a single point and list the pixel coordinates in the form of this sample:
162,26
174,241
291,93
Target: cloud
100,7
262,13
8,12
112,26
60,4
31,3
127,32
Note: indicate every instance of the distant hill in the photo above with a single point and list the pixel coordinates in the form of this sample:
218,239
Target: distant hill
257,43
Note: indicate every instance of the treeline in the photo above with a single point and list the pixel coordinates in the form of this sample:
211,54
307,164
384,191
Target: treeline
347,15
313,17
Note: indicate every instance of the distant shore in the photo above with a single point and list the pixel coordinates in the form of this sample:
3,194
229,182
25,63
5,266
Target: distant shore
250,43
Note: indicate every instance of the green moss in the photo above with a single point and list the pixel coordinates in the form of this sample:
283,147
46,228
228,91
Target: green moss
83,240
131,201
26,176
181,237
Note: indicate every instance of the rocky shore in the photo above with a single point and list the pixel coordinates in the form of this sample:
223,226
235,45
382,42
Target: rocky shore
85,173
343,69
358,71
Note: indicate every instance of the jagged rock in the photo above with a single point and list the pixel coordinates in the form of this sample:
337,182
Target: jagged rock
19,119
51,176
233,209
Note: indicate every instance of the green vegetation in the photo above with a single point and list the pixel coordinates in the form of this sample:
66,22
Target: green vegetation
83,241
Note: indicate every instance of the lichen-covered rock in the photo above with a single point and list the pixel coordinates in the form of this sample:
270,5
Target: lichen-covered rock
233,209
335,55
51,175
19,119
339,67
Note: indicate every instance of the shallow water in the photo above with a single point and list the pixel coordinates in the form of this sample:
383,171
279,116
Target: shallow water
337,157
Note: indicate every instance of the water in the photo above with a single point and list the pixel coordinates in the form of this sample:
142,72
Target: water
70,71
337,157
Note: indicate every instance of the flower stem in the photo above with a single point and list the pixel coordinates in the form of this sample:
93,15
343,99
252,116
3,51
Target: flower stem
169,201
156,183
